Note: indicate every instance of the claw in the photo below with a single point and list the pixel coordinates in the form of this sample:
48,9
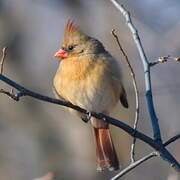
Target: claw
84,119
87,117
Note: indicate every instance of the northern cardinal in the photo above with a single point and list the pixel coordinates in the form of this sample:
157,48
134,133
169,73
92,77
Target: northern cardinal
89,77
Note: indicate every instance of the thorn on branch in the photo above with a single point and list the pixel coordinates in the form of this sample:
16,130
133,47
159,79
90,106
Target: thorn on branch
3,59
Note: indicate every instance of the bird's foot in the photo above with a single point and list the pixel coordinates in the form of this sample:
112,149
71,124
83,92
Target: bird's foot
87,117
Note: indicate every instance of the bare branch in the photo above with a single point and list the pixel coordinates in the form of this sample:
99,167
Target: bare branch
164,59
143,159
171,140
157,146
145,62
149,96
11,94
135,90
133,165
2,59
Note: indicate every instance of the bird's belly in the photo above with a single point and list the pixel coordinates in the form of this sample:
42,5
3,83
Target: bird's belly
88,93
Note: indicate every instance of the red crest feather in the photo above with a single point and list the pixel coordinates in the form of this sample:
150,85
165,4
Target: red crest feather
71,26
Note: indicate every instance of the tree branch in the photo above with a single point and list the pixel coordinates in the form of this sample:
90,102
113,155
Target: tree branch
155,143
146,66
2,59
127,62
171,140
143,159
134,165
164,59
149,97
134,133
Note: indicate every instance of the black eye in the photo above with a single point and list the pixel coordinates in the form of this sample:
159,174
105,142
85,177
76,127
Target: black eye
70,48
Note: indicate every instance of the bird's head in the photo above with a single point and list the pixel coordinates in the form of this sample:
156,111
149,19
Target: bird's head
76,43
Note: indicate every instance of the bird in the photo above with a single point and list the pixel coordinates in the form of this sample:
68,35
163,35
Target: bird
90,77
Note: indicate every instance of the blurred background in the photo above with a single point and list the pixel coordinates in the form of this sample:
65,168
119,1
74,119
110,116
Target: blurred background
38,137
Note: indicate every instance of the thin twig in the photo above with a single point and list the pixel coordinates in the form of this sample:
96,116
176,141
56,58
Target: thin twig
143,159
172,140
146,66
133,165
135,90
11,94
2,59
164,59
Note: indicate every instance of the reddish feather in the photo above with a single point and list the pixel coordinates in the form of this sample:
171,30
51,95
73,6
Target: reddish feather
71,27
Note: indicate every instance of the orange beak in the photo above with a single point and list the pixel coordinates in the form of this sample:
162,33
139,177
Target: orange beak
61,54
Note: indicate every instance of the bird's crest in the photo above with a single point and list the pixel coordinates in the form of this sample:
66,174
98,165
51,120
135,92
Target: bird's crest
71,27
73,33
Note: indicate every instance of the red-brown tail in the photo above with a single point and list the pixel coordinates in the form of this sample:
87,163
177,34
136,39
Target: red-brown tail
105,151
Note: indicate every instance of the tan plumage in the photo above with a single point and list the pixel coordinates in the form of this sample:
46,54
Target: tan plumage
88,76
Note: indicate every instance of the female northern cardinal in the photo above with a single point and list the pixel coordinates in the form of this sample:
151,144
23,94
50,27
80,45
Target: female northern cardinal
89,77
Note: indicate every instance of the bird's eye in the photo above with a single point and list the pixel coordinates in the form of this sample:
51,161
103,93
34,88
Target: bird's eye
70,48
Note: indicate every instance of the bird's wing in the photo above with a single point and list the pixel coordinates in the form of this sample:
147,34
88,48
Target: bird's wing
116,75
123,98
